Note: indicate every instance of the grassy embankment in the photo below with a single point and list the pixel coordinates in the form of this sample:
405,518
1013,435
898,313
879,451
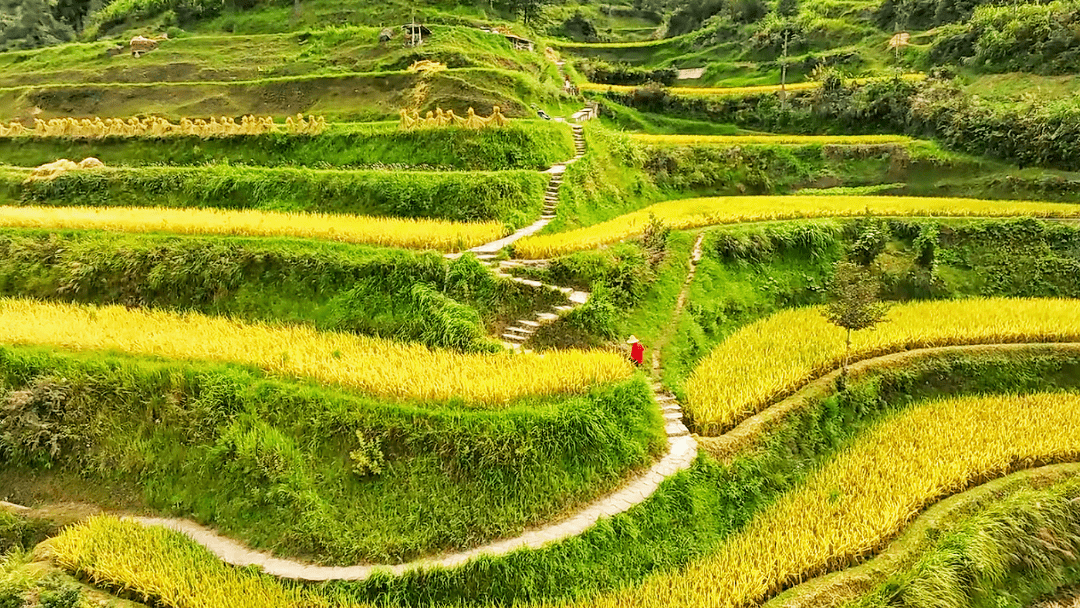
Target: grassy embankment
388,293
524,144
309,470
343,74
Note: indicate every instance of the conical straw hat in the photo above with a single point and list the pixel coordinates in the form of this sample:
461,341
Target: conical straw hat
632,340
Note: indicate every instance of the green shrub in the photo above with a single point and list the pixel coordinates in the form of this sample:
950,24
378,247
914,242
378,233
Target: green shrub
511,197
382,292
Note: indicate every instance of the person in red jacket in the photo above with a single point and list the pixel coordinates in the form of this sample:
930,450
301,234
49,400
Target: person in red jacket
637,351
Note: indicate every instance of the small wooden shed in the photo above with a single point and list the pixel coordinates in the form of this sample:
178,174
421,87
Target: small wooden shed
521,44
415,33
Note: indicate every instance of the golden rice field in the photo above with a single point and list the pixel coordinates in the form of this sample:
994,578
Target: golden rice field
737,91
694,213
845,511
855,504
382,368
775,356
367,230
774,140
165,568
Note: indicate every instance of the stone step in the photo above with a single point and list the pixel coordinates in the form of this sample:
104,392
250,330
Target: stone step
532,324
547,316
514,338
578,297
521,331
673,416
671,408
676,429
564,308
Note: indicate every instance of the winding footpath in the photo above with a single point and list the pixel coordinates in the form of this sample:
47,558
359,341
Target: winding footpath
681,453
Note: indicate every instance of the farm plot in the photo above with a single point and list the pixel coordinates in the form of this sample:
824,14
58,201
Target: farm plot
771,358
374,366
694,213
858,502
391,232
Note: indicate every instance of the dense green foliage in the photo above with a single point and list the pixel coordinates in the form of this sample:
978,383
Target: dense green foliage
511,197
382,292
1025,37
1028,134
307,470
522,145
696,510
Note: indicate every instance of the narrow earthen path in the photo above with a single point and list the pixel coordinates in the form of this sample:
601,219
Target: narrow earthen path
682,450
680,304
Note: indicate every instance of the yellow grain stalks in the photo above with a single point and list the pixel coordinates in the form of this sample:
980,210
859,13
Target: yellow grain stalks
694,213
382,368
368,230
775,356
739,91
856,503
844,512
164,567
438,118
153,126
768,140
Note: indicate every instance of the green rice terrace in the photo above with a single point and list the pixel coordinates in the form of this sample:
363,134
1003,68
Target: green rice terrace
539,303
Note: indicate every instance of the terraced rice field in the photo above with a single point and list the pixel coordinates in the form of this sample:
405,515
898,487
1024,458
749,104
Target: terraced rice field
383,368
367,230
694,213
771,358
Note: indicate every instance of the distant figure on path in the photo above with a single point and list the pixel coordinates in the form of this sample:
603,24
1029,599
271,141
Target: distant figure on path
637,351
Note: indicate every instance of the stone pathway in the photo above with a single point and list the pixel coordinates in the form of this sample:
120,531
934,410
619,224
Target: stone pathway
488,251
682,451
682,447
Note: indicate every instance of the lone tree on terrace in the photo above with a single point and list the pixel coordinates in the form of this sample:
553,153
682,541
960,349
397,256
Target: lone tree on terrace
854,303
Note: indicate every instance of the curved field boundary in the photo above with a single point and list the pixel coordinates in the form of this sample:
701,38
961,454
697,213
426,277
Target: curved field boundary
682,451
959,443
365,230
847,585
744,436
695,213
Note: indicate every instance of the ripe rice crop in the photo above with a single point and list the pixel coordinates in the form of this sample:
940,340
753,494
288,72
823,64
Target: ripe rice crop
857,502
777,140
737,91
383,368
368,230
845,511
775,356
693,213
165,568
